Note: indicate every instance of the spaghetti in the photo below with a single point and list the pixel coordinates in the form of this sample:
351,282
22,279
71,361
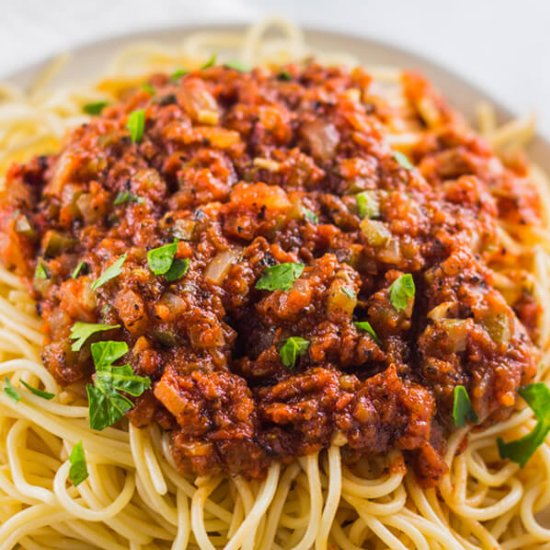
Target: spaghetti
135,496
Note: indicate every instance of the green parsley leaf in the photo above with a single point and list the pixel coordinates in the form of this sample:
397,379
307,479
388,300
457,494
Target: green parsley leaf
136,125
310,215
149,88
238,66
367,327
94,108
126,196
293,348
122,378
80,332
462,408
401,291
367,204
177,270
107,352
160,259
403,160
211,61
78,472
40,393
280,277
106,406
520,451
284,75
10,391
114,270
41,271
76,272
178,73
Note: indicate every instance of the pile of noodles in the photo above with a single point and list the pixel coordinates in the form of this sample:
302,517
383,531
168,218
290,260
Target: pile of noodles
135,499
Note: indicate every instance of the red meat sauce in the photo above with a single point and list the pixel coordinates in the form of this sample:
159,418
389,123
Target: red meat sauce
237,166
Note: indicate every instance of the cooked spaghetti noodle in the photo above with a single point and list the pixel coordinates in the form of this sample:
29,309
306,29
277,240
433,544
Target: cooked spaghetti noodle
135,497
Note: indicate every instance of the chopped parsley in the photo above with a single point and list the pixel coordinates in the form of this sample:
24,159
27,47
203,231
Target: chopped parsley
39,393
367,327
94,108
106,404
80,332
520,451
160,259
403,160
126,196
178,73
149,88
211,61
113,271
136,125
463,411
177,270
401,291
78,471
310,215
10,391
41,271
294,347
76,272
238,66
284,75
280,277
367,205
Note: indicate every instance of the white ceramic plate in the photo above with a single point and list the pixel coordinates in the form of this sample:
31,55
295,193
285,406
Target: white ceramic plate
89,61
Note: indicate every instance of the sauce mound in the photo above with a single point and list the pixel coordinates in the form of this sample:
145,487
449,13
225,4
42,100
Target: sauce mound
383,303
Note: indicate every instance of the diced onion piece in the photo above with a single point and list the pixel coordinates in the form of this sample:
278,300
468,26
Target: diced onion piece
498,327
457,331
391,253
218,137
183,229
208,117
323,138
341,298
219,267
267,164
441,311
376,233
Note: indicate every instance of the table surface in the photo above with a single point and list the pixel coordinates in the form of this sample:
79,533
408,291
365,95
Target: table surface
490,42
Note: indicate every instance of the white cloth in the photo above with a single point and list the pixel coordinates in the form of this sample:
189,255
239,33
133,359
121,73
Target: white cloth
502,45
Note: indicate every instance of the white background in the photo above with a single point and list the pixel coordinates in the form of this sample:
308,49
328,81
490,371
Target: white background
502,45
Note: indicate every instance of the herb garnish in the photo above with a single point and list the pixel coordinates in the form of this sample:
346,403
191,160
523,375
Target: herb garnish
76,272
403,160
294,347
177,270
238,66
10,391
80,332
367,327
126,196
136,125
78,471
106,404
462,408
280,277
41,271
520,451
160,259
211,61
94,108
114,270
401,290
39,393
310,215
367,205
